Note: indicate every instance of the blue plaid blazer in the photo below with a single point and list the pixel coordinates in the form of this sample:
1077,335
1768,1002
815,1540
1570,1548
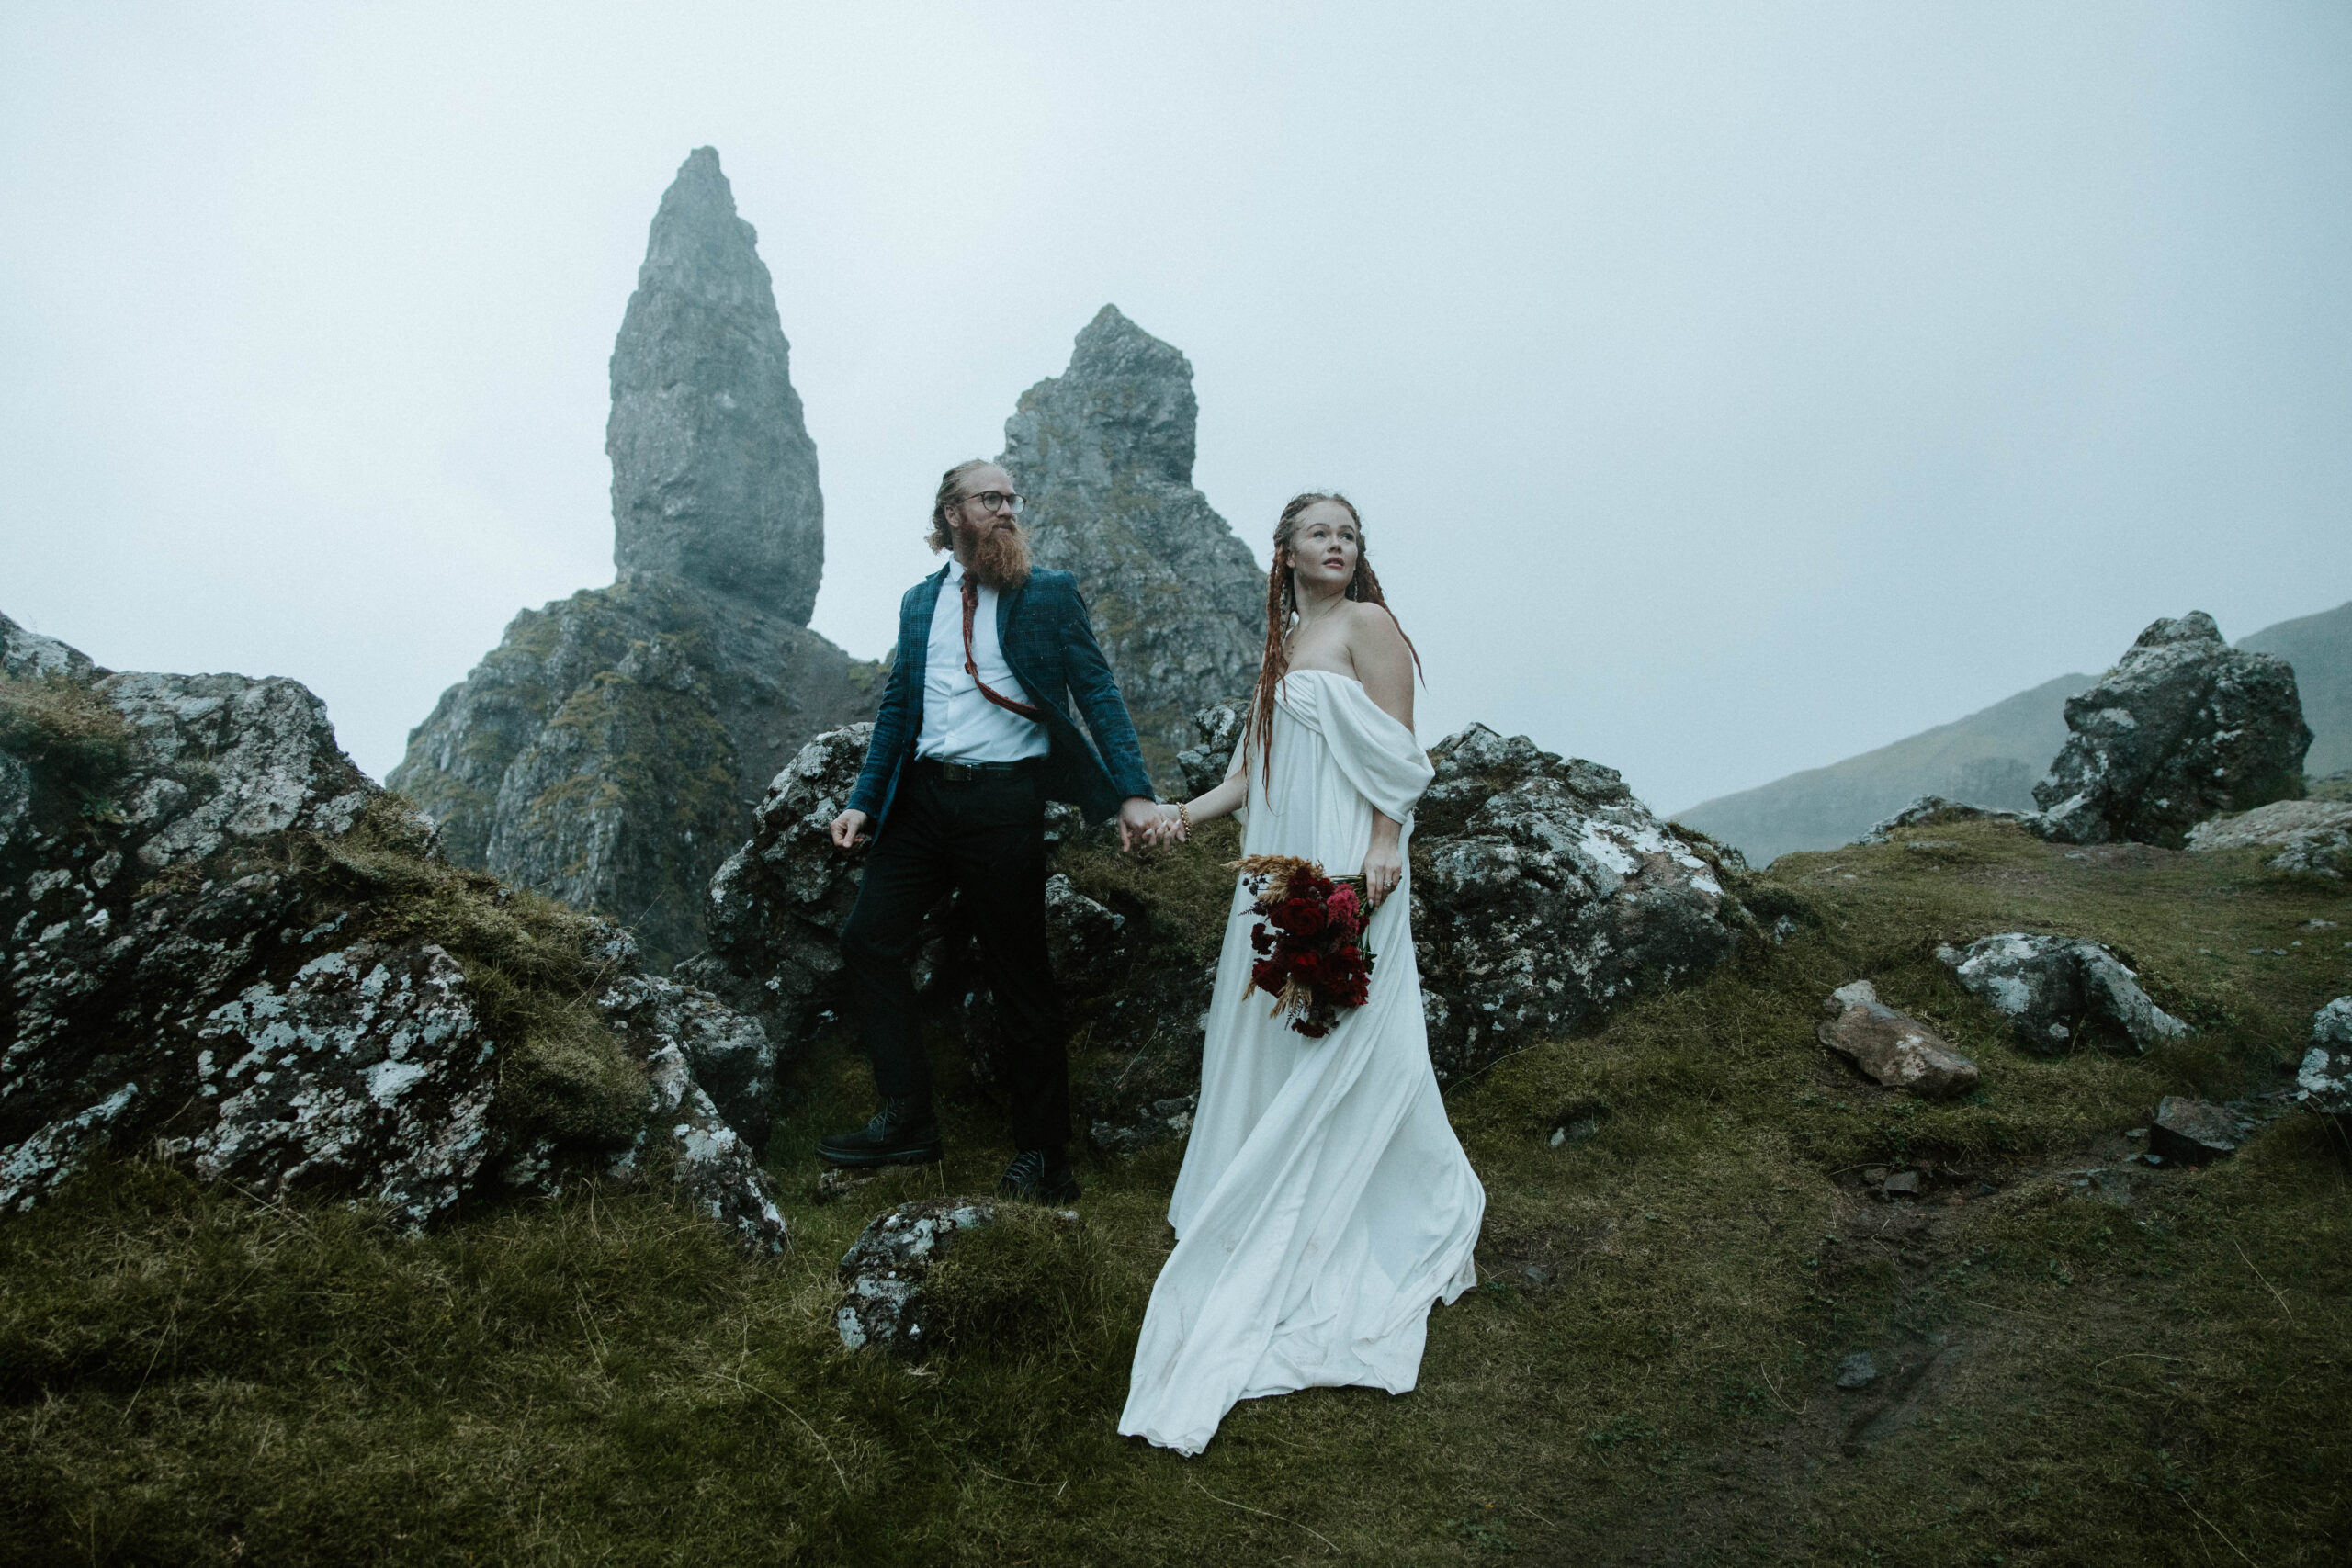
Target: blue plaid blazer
1050,644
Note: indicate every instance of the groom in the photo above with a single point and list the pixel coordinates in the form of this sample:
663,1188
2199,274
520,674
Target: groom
973,737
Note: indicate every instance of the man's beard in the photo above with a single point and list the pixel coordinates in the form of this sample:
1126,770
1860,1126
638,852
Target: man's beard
1000,556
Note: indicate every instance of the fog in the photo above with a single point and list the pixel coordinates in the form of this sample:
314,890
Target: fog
1726,389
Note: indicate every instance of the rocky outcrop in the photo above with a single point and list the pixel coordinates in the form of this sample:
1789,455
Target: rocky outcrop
2057,992
1105,453
1894,1048
228,946
2182,728
1545,894
883,1272
2312,836
714,475
605,752
1933,810
777,906
1217,730
2324,1082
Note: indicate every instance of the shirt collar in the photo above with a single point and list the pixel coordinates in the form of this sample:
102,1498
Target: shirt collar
955,572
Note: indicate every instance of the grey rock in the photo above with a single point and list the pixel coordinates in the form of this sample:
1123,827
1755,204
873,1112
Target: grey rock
605,752
1894,1048
1086,939
2324,1082
1857,1370
1545,894
1932,810
1902,1184
28,656
2313,836
1162,1121
2183,727
1105,453
2051,988
776,908
727,1053
227,945
714,475
2193,1131
883,1272
1217,730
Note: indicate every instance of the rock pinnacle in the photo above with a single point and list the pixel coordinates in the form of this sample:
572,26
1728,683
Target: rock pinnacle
714,475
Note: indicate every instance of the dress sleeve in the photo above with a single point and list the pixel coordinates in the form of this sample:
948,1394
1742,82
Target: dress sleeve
1380,756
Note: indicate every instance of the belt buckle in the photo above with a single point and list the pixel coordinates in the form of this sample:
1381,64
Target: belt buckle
956,772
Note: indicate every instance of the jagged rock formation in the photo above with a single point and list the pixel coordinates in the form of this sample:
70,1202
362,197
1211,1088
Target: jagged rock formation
1105,453
2320,648
1545,895
2312,836
2057,992
226,945
605,752
2183,727
714,475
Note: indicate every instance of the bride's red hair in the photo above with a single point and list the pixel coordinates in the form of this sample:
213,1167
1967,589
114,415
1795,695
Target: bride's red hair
1282,607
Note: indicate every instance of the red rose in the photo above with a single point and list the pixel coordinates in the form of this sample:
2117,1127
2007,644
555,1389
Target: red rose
1303,917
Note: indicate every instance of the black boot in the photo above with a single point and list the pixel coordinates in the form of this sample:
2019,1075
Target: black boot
1039,1176
904,1131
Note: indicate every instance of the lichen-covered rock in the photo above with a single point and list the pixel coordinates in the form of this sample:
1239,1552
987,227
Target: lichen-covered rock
776,908
728,1053
28,656
2183,727
605,752
1105,453
714,475
2054,989
1545,893
2312,836
884,1269
228,945
1930,810
1217,730
2324,1082
1894,1048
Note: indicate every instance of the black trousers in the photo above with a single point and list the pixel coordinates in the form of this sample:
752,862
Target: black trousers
984,837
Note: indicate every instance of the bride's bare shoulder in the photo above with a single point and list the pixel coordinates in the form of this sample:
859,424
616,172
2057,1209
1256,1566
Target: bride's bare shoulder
1371,628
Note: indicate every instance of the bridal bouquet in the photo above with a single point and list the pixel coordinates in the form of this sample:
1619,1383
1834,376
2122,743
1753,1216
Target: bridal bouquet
1309,937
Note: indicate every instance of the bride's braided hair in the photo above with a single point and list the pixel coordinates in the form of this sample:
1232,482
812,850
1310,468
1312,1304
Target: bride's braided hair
1281,607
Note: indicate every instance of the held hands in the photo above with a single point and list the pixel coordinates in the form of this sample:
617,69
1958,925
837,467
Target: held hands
849,829
1141,822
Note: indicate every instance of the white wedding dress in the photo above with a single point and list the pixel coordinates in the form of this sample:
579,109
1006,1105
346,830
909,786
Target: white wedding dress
1324,1202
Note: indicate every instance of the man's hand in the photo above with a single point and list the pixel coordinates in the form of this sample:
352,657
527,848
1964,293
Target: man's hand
1139,822
849,829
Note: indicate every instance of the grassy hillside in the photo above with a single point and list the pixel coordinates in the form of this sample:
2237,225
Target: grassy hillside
1990,758
2320,648
2084,1361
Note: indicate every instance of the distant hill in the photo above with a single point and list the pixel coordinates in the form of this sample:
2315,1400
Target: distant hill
2320,648
1993,757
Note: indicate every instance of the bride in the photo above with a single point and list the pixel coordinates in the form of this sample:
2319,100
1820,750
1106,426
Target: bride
1324,1202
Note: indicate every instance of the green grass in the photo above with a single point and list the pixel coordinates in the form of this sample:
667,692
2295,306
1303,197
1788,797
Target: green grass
2153,1375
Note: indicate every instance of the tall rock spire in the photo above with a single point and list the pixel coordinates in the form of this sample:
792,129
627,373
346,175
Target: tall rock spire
1105,453
714,475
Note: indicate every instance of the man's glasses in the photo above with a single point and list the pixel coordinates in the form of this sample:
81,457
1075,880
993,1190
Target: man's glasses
994,501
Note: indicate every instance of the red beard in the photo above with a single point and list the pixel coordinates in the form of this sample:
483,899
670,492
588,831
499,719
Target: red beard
999,555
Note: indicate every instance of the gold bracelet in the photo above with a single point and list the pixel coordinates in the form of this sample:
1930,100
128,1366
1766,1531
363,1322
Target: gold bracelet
1184,820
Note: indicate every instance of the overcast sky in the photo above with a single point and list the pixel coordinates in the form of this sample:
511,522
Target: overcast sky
1727,390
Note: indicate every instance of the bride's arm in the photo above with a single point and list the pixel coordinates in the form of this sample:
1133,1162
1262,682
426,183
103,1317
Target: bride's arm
1383,663
1223,801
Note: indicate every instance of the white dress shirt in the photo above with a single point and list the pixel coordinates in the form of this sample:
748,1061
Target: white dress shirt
959,724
